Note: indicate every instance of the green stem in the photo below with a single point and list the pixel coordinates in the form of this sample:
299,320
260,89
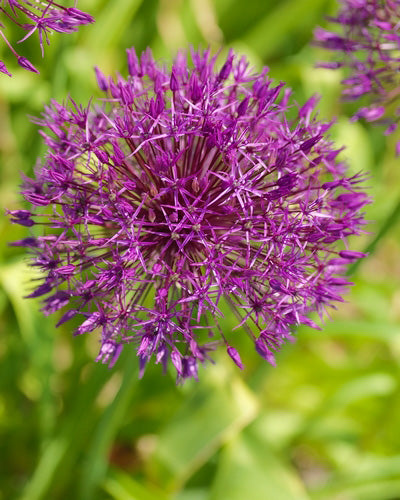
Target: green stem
391,220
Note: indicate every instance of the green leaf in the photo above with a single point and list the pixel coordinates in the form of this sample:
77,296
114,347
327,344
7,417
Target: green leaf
371,478
95,466
211,415
123,487
58,459
375,384
38,337
249,469
14,278
356,328
111,21
370,490
271,32
193,494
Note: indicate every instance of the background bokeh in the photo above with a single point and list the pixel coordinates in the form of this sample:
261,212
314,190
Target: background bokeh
322,425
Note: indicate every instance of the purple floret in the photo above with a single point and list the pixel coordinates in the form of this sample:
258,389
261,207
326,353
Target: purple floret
184,192
44,17
366,42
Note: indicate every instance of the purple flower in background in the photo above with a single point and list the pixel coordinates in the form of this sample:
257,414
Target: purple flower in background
184,192
39,16
367,44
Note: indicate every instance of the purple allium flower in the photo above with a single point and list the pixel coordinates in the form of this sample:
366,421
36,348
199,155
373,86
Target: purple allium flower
44,17
368,45
183,192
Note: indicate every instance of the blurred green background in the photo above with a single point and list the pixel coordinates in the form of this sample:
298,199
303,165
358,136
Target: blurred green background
322,425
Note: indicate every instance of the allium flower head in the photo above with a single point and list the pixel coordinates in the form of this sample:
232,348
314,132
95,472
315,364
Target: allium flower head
41,16
368,45
182,193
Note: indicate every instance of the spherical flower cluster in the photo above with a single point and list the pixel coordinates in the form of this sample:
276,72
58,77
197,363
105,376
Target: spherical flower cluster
182,193
368,46
43,16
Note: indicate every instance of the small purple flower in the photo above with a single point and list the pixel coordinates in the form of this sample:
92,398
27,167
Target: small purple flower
182,192
3,69
43,17
26,64
368,45
22,217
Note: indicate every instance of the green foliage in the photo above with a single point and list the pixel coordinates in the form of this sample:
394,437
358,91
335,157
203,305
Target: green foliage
322,425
